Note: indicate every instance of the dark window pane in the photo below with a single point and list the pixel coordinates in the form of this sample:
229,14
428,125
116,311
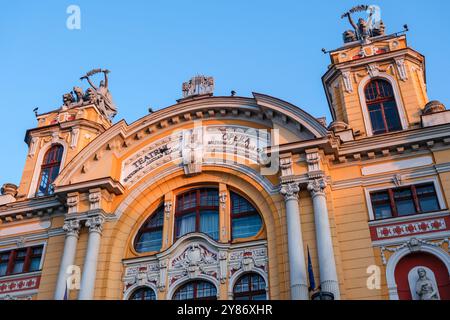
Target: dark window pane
392,117
427,198
376,118
143,294
382,211
404,202
35,264
3,268
18,267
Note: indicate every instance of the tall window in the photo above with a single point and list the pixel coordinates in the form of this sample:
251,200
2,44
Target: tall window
245,219
404,201
198,211
143,294
250,286
50,169
196,290
20,260
149,237
382,107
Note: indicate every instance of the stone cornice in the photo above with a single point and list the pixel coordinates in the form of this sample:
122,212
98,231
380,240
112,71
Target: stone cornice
107,183
30,209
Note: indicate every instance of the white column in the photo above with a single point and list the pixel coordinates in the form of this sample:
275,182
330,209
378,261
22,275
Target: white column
72,228
327,264
89,272
297,265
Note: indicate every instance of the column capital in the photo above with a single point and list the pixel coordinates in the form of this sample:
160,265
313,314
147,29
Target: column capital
95,224
72,227
317,186
290,190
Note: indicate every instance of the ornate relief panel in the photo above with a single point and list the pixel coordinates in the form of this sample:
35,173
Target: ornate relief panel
194,257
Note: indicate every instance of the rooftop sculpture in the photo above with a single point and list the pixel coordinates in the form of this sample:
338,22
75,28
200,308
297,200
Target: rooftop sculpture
373,26
98,95
198,85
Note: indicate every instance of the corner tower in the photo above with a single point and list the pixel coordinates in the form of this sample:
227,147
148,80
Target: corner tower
62,133
376,83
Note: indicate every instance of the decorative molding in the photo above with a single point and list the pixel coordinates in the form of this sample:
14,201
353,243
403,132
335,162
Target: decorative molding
286,165
413,245
72,227
168,209
223,199
396,165
33,146
290,191
194,257
19,284
74,135
347,79
73,199
405,229
95,198
317,187
401,68
95,224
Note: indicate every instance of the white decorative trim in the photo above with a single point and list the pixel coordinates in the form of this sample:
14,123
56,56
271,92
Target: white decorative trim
401,68
413,245
398,100
435,181
173,288
396,165
24,228
37,165
134,287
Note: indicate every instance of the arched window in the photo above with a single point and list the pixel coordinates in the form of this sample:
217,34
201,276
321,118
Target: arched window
144,293
383,111
50,170
250,286
149,237
198,211
245,219
196,290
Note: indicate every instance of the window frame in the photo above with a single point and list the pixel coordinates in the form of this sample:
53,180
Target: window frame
197,209
250,293
437,188
135,290
398,99
195,290
51,166
381,102
143,230
243,214
12,259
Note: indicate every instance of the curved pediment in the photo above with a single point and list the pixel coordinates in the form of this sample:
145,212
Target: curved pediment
243,125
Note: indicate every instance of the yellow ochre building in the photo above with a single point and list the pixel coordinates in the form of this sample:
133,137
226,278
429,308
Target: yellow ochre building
228,197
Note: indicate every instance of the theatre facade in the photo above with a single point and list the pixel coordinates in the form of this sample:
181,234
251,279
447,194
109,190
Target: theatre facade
237,198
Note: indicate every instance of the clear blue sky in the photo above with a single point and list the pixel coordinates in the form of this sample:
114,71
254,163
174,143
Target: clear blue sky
151,47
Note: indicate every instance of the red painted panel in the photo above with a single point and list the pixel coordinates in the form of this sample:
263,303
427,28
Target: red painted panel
421,259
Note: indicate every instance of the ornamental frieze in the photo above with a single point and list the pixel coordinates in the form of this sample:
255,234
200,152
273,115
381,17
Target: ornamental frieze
193,146
19,284
403,229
